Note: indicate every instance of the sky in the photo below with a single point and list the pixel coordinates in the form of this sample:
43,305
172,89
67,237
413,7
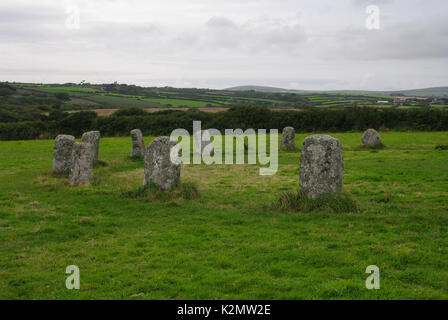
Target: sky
293,44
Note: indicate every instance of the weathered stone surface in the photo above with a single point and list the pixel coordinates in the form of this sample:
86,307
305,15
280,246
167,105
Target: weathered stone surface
81,170
62,155
159,168
321,166
93,138
371,138
205,139
288,138
138,145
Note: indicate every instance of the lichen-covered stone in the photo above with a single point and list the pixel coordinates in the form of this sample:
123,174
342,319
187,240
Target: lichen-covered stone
159,168
321,166
288,138
62,154
371,138
138,145
93,138
81,170
202,139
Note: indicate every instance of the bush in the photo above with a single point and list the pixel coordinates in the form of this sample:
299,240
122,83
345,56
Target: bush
77,123
297,201
126,112
64,96
243,117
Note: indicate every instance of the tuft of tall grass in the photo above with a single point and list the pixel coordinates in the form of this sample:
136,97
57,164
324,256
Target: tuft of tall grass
151,192
297,201
188,190
441,147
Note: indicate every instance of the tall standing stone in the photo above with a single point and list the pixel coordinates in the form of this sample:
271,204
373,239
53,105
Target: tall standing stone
93,138
321,166
288,138
81,170
138,145
159,168
371,138
202,139
62,155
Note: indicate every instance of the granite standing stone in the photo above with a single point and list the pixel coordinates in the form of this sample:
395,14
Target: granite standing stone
371,138
138,145
321,166
205,139
62,156
288,138
159,168
82,164
93,138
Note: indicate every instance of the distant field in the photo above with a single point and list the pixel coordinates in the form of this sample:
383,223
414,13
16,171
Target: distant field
228,244
177,103
73,91
201,99
108,112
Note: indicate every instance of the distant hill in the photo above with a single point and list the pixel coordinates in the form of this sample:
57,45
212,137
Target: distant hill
259,89
426,92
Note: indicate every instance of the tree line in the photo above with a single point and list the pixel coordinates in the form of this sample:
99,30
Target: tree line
244,117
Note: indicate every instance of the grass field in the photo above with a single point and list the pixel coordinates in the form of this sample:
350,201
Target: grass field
229,243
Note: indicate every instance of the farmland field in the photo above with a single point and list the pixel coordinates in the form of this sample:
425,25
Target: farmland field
229,243
121,96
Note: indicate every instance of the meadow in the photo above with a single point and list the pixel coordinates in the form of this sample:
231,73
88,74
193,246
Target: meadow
229,243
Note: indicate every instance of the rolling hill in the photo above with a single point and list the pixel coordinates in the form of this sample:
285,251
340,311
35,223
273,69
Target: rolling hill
425,92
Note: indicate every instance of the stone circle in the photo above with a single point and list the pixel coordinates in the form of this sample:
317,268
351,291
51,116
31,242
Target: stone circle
138,145
321,166
288,138
371,138
93,138
159,168
81,170
62,155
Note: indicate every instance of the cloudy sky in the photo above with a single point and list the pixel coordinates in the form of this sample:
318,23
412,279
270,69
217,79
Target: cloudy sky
297,44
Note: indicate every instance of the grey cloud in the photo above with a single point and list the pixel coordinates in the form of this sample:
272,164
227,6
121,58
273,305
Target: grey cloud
205,42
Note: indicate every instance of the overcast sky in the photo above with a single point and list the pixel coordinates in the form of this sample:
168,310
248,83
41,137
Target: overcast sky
296,44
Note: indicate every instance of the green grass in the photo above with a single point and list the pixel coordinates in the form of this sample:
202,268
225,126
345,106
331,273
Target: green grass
122,101
228,243
151,192
72,91
297,201
180,102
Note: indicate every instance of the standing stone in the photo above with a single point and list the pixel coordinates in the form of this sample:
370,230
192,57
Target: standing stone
202,139
288,138
371,138
321,166
138,145
82,164
159,168
62,156
93,138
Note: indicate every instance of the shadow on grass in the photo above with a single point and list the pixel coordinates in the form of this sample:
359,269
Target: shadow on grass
100,164
367,148
135,158
291,150
297,201
151,192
